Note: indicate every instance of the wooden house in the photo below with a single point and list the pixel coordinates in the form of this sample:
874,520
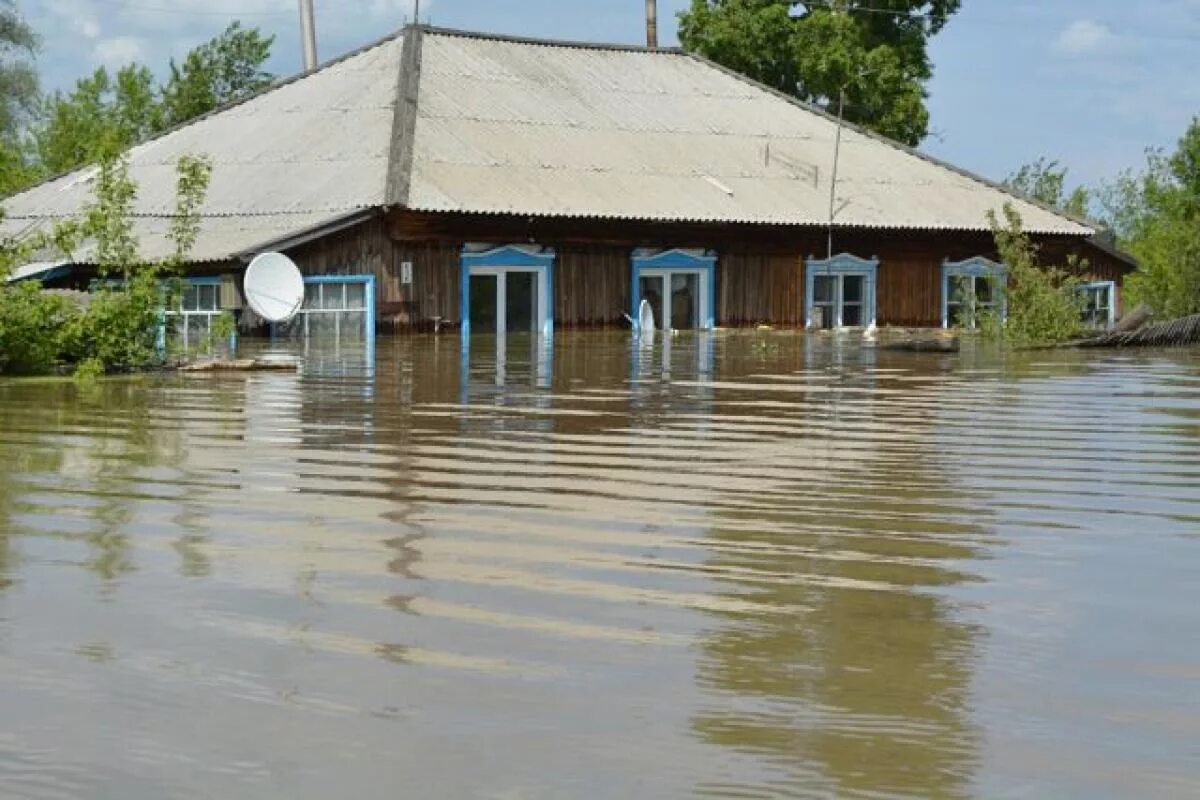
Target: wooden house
442,179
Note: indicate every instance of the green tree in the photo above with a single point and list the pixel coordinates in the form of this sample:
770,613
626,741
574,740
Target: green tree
107,113
226,69
1156,215
18,95
100,117
119,328
873,51
1044,306
1045,181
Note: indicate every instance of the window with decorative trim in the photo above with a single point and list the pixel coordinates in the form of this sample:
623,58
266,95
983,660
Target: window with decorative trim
839,292
970,290
507,289
679,286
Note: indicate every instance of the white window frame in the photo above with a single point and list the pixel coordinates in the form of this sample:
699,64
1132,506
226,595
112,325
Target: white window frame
501,274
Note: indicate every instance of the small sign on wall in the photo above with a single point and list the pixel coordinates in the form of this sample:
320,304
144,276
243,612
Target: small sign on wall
406,273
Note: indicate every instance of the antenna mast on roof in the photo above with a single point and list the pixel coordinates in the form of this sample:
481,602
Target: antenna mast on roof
417,12
308,35
652,23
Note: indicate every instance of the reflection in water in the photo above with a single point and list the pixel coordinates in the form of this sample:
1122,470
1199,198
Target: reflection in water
853,677
717,564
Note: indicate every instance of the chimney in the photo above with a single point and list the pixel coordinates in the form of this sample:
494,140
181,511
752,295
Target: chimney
308,35
652,23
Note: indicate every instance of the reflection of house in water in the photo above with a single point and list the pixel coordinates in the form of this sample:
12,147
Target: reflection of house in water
852,677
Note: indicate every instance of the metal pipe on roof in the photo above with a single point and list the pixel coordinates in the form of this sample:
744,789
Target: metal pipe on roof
308,35
652,23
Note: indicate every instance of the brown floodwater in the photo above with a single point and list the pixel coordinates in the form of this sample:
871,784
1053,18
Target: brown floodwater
741,565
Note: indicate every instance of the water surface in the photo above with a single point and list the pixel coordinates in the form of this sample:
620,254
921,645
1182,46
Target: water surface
747,565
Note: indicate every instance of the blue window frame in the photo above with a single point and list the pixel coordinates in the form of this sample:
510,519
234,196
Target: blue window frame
687,278
1099,304
839,292
198,306
507,289
341,307
970,288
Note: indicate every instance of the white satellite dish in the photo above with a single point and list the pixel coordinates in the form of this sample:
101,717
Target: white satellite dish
274,287
646,317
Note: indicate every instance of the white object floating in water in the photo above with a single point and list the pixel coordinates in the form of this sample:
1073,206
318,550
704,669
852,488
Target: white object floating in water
274,287
645,317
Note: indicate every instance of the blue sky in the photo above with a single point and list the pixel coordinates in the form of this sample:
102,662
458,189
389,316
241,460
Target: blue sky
1091,83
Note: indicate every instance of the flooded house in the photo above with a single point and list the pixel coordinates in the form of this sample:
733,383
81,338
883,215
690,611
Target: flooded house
441,179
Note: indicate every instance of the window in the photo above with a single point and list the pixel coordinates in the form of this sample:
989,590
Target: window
840,292
971,289
337,308
191,323
507,290
1099,304
678,286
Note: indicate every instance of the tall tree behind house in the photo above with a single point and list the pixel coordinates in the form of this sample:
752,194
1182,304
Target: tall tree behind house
876,53
107,112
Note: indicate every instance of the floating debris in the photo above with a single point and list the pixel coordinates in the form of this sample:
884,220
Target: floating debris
240,365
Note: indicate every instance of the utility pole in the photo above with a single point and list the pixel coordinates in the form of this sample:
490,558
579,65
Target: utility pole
652,23
837,151
308,35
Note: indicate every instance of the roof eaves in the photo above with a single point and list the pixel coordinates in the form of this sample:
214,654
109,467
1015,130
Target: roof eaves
309,234
1091,226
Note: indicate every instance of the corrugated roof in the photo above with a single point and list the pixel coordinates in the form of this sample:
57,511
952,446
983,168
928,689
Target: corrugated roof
518,127
300,154
504,126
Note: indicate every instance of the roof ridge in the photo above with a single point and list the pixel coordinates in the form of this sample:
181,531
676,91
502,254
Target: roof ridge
549,42
897,145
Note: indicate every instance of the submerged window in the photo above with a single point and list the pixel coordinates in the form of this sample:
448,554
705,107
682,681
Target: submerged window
1099,304
507,290
840,292
192,322
337,308
970,290
678,286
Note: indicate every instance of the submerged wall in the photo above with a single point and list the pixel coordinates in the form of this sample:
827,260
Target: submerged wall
760,276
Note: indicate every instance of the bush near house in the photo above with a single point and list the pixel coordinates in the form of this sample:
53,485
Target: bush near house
118,329
1043,301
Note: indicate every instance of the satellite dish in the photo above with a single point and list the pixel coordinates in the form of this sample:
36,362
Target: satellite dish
646,317
274,287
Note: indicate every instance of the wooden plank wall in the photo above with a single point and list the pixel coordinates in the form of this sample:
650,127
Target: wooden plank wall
760,274
909,293
756,288
435,288
592,286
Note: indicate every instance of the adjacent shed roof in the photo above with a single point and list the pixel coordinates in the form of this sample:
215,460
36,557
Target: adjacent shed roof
478,124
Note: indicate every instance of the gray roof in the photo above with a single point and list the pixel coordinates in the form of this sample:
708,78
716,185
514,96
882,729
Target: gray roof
304,153
506,126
